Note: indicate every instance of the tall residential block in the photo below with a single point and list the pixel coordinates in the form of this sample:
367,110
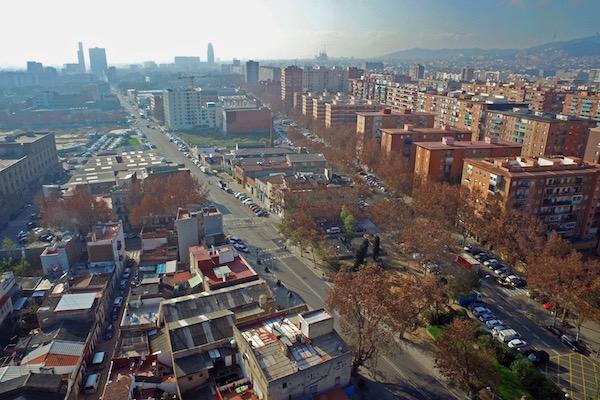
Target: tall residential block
416,72
539,133
252,72
562,191
291,81
98,63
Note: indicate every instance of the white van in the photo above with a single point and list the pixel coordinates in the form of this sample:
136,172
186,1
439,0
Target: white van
91,383
507,335
98,358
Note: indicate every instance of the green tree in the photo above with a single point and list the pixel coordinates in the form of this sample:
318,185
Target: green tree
376,248
8,245
349,227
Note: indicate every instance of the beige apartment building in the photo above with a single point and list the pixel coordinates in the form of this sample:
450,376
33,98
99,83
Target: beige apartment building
563,191
26,159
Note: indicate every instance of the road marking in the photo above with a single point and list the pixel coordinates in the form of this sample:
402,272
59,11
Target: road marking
583,376
571,374
501,307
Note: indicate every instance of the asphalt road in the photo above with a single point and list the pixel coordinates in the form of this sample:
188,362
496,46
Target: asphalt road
404,373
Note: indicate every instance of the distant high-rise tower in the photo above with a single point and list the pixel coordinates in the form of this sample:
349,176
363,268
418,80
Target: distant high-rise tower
252,72
98,64
210,54
416,72
80,57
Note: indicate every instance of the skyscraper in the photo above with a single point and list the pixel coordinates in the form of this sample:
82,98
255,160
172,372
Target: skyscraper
467,74
210,54
80,57
35,68
98,64
252,72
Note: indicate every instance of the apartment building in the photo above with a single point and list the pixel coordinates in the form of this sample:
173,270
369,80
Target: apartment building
249,120
183,109
7,285
307,104
592,147
289,355
106,246
563,191
443,160
539,98
539,133
399,141
370,124
26,160
583,105
269,74
340,112
401,96
219,267
291,81
318,107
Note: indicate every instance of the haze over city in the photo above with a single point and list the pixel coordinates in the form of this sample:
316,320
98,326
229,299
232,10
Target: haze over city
300,200
135,31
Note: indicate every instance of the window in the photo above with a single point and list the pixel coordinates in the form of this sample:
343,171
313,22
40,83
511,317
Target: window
337,381
284,385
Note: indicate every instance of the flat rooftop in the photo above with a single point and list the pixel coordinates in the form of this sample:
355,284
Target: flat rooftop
281,349
480,144
140,312
18,137
76,301
536,166
439,131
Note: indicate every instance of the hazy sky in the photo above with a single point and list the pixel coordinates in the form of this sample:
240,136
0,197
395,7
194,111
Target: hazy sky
139,30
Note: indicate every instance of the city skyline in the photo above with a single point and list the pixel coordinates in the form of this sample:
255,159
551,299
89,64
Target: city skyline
354,28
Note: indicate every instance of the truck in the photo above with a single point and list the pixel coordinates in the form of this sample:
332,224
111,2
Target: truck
470,264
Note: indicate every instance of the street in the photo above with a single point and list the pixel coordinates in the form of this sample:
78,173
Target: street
406,373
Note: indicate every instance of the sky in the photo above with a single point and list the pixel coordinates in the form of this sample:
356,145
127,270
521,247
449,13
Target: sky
141,30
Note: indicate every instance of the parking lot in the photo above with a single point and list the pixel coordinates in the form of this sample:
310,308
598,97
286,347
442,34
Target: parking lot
578,374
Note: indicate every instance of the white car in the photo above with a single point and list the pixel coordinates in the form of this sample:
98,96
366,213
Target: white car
497,329
516,343
481,310
241,247
490,262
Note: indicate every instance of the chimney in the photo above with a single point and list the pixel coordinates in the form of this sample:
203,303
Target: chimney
408,127
448,140
491,140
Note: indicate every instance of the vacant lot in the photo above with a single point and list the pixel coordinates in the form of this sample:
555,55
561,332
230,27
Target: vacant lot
219,139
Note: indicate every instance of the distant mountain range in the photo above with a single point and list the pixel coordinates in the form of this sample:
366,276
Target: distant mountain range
581,47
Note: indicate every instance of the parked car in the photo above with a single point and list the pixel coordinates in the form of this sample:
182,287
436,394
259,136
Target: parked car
507,335
118,301
572,343
333,230
492,323
516,343
539,358
554,330
486,317
108,332
123,284
481,310
497,329
235,239
241,247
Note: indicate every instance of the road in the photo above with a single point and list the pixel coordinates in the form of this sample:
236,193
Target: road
403,373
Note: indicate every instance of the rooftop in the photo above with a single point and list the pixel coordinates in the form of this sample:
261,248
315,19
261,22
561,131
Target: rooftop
107,231
532,166
451,144
232,298
222,266
201,330
523,112
140,312
20,137
76,301
281,348
55,354
409,130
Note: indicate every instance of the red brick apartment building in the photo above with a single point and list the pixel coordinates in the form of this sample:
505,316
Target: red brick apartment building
400,141
443,160
563,191
539,133
247,120
291,81
370,124
583,105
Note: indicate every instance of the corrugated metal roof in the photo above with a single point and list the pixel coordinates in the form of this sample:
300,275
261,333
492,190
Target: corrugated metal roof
76,301
60,347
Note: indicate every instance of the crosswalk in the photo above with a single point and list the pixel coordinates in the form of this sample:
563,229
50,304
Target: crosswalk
512,292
